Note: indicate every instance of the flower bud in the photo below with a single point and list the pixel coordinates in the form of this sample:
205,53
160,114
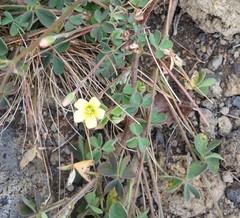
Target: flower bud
47,41
68,99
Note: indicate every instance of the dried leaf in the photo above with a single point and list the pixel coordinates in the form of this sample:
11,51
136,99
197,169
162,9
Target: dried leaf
28,157
162,106
83,167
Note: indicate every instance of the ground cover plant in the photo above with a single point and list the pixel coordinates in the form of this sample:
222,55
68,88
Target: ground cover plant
85,56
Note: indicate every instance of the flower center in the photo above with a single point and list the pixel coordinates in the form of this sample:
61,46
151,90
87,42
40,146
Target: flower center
89,111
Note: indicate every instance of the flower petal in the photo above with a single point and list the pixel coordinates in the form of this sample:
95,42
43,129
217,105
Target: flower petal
78,116
100,113
95,102
80,104
91,122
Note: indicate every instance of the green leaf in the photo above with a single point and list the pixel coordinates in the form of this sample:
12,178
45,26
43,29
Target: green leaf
173,182
46,17
196,168
133,142
143,143
201,77
58,65
28,17
186,192
91,198
147,101
31,2
95,142
95,209
97,34
29,203
110,185
144,214
159,54
108,146
204,90
157,117
155,38
128,173
213,145
128,89
63,46
3,47
136,99
68,26
214,155
8,18
116,111
207,82
107,170
194,190
132,110
117,119
166,43
213,164
25,211
9,89
201,142
136,129
76,20
123,164
14,29
42,215
117,211
107,27
100,16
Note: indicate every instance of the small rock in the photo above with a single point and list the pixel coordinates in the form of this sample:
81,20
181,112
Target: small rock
216,62
224,110
236,54
236,102
227,177
229,149
232,85
233,193
209,130
225,125
223,42
236,68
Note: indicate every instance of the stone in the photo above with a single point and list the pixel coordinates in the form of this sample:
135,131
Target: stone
236,102
233,193
232,85
227,177
212,121
224,110
216,62
225,125
214,16
229,149
236,68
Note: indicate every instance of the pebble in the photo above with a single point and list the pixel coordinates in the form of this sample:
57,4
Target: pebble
236,102
225,125
224,110
236,54
233,193
236,68
227,177
216,62
232,85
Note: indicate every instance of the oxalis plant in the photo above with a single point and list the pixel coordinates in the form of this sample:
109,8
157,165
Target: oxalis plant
208,160
116,115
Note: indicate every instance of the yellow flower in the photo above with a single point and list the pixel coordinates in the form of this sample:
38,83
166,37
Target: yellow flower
88,112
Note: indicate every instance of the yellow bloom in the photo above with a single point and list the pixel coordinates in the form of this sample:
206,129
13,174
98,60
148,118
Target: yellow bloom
88,112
